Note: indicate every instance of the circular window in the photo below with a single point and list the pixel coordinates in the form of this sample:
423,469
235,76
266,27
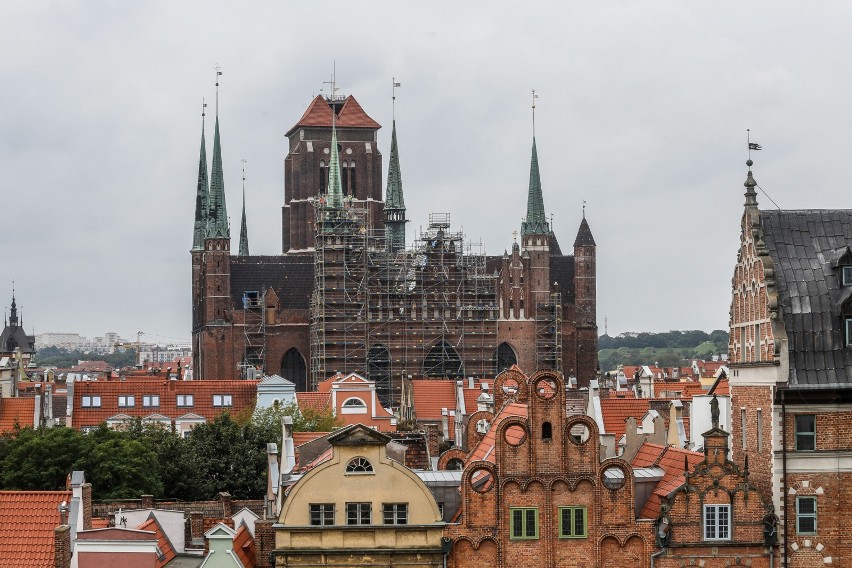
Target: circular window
349,151
515,435
325,150
579,433
545,388
510,386
613,477
481,480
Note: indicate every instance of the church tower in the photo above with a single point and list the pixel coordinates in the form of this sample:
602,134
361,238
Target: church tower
585,300
199,235
307,167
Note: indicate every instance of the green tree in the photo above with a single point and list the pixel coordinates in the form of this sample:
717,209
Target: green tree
308,420
119,467
40,459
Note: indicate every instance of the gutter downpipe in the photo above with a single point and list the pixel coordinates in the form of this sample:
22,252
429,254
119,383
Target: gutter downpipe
658,554
784,470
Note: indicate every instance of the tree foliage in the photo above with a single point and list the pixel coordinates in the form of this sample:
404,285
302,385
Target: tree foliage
667,349
61,357
222,455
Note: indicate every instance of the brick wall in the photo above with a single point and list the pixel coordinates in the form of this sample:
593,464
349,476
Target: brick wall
758,437
264,539
62,547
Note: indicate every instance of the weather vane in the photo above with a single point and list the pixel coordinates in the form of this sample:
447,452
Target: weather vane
218,69
393,96
751,146
534,97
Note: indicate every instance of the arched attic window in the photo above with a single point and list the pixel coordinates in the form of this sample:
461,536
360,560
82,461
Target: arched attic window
359,465
443,361
353,405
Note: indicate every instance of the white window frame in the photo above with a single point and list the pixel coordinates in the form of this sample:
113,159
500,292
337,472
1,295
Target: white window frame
126,401
353,405
90,401
223,400
185,400
717,522
151,400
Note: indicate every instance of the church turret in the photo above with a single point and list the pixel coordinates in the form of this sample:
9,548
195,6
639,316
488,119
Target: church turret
394,201
536,220
217,225
335,187
244,246
585,298
202,190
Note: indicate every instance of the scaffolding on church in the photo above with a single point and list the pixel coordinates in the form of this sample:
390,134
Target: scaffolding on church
548,333
254,355
428,311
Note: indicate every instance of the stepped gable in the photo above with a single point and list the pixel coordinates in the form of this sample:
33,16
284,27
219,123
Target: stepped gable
808,247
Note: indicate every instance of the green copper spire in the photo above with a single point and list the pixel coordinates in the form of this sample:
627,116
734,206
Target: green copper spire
394,201
335,188
217,224
244,249
201,196
536,221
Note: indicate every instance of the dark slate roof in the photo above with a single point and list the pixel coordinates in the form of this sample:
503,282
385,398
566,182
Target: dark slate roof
584,235
292,278
562,272
804,246
14,336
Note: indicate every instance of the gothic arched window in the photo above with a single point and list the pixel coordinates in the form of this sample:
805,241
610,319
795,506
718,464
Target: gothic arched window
379,370
443,361
504,357
294,370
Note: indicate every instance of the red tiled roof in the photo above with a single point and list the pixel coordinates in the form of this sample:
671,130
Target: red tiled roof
243,395
471,395
316,401
99,366
319,113
616,410
671,460
98,523
16,410
168,551
430,396
244,546
485,449
28,519
722,387
300,438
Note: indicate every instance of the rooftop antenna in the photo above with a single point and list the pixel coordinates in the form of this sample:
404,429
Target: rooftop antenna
218,69
393,97
203,110
534,97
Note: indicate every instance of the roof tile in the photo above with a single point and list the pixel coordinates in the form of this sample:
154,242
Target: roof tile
28,519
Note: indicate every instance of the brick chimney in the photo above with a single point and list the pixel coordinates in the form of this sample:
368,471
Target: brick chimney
87,506
62,547
227,508
196,529
147,501
264,539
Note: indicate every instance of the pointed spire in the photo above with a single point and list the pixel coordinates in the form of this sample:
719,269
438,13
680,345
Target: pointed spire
584,234
244,248
394,198
335,188
201,194
217,224
394,201
750,194
536,220
13,313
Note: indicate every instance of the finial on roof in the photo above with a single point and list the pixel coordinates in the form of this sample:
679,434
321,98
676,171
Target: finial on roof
534,97
393,97
244,247
750,194
13,312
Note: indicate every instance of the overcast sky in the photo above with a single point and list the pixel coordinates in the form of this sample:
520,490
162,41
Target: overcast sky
643,112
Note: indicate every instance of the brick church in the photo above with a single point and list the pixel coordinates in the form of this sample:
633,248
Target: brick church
351,292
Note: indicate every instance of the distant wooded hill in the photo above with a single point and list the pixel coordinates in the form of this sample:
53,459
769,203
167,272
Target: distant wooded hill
666,349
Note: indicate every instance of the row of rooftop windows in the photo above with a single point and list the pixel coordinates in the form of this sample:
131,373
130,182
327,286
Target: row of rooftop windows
153,400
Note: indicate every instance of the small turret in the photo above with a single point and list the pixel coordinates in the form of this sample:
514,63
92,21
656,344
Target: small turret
244,247
201,206
535,222
217,225
335,187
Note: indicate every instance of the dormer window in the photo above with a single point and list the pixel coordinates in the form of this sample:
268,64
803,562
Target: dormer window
353,405
359,465
846,275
